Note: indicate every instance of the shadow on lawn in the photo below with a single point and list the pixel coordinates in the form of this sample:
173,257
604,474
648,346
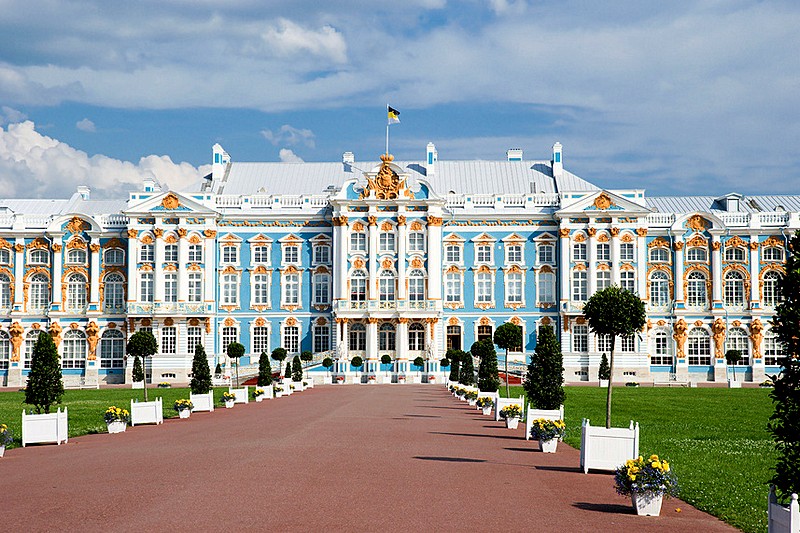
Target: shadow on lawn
449,459
604,507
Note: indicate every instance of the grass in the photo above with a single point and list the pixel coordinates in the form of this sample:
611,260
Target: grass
715,439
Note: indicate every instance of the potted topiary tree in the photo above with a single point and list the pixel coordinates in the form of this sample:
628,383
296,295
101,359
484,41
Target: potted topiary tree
279,354
44,389
604,372
544,381
218,371
357,362
307,356
327,363
235,350
297,369
419,363
201,397
467,374
264,371
732,357
455,364
137,375
142,344
386,360
488,380
508,336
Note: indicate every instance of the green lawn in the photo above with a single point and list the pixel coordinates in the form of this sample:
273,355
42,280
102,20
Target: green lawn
715,439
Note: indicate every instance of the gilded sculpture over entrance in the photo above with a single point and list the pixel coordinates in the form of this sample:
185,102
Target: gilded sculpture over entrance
386,185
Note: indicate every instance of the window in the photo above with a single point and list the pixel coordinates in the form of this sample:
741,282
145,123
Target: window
416,286
230,254
697,255
514,287
291,254
452,287
483,287
386,285
113,293
194,336
230,334
604,343
386,242
169,340
76,293
736,339
76,257
696,293
358,286
662,348
146,287
735,254
699,347
260,340
5,350
30,339
485,332
5,292
39,257
260,289
659,288
580,286
358,242
195,287
627,280
386,337
773,349
626,251
114,256
772,253
322,338
5,256
74,349
230,289
547,288
322,289
580,338
260,254
546,254
146,253
291,289
659,255
627,344
734,289
452,253
416,337
358,337
483,253
770,288
453,337
514,253
171,253
603,251
195,253
322,254
579,251
171,287
603,279
416,241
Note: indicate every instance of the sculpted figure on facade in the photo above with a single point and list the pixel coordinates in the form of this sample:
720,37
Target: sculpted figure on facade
756,336
718,329
15,332
92,330
680,335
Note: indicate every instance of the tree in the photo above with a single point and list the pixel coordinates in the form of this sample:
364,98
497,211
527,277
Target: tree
307,356
506,337
732,357
357,362
455,364
444,362
327,363
288,372
467,375
297,369
488,380
217,370
201,372
419,362
614,312
142,344
545,378
138,370
604,372
235,350
784,423
45,386
264,371
279,354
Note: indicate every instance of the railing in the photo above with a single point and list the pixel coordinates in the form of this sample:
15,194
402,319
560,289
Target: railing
398,305
114,220
735,219
773,219
168,308
660,219
273,202
540,199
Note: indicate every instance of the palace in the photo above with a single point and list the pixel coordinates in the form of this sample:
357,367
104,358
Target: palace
405,259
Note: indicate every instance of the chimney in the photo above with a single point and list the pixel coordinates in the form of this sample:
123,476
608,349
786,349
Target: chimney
430,160
219,162
84,191
514,154
558,165
348,158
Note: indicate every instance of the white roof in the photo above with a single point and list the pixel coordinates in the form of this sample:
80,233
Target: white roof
748,204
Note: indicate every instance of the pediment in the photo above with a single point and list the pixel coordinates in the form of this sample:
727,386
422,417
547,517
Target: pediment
170,202
603,203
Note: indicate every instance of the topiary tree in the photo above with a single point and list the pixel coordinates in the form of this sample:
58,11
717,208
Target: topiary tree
618,313
545,378
357,362
506,337
604,372
784,423
288,372
307,356
217,370
467,375
138,370
235,350
327,363
444,362
732,357
488,380
455,364
264,371
45,386
201,372
419,362
386,359
297,369
142,344
279,354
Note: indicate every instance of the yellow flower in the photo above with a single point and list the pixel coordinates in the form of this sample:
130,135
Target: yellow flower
632,477
656,465
653,458
665,465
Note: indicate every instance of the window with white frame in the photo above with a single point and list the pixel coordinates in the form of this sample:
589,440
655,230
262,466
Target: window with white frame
603,343
322,254
452,253
627,280
358,241
322,338
5,292
696,255
546,286
662,348
386,283
485,332
76,293
416,337
260,289
580,286
195,253
579,251
735,254
260,254
146,253
416,241
773,349
5,256
114,256
230,289
452,287
580,338
39,292
146,287
514,287
513,253
260,342
546,253
194,336
171,253
483,287
195,287
230,334
76,256
386,337
699,347
322,289
230,254
603,279
626,252
772,253
696,289
113,293
74,349
386,242
603,251
659,255
30,339
358,286
169,337
416,286
770,289
39,256
291,289
659,288
291,255
627,343
358,337
734,289
171,287
483,253
5,350
737,339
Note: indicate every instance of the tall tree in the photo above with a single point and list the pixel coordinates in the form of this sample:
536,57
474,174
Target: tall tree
467,375
506,337
616,312
297,369
307,356
142,344
488,380
201,372
235,350
264,371
45,386
545,379
455,364
784,423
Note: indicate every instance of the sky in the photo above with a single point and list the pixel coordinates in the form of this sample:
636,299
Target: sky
678,97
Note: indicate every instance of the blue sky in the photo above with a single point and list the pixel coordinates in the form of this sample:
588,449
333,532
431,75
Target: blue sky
677,97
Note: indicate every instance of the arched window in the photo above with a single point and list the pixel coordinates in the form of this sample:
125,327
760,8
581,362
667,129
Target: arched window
112,349
114,256
697,255
30,339
74,349
737,340
386,285
699,347
659,288
76,256
5,350
113,293
39,293
386,337
659,255
76,293
770,289
39,256
696,289
735,254
416,337
358,337
5,292
662,348
416,286
358,286
772,253
734,289
386,241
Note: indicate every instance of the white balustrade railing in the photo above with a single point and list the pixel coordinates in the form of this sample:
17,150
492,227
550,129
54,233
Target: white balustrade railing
772,219
660,219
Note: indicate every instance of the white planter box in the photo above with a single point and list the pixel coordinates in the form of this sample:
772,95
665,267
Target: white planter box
512,422
117,426
50,427
547,414
298,386
354,379
604,383
242,394
647,504
606,449
147,412
416,379
282,392
309,383
499,403
548,446
734,384
184,413
202,402
220,382
137,385
782,518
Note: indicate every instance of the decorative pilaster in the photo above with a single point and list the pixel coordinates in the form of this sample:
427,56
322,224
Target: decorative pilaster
563,264
591,255
402,237
402,343
755,282
372,285
58,268
716,272
372,342
434,257
615,279
133,279
19,272
158,259
680,298
211,276
341,241
641,262
183,259
94,274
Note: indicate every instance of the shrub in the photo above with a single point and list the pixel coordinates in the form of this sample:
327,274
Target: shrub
218,370
297,369
201,373
327,363
288,372
545,378
488,379
419,362
455,364
386,359
467,375
142,344
279,354
307,356
444,362
235,350
138,370
357,362
45,386
604,372
264,371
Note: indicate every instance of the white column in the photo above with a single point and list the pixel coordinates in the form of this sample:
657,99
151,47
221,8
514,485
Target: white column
372,340
755,289
133,281
641,262
716,271
402,340
679,296
402,237
591,255
372,286
345,337
563,265
58,269
183,275
94,273
19,272
435,256
210,275
157,270
615,262
341,242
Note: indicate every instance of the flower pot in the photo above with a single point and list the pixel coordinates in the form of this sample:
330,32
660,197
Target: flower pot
732,384
117,426
184,413
512,422
488,410
2,450
548,446
260,398
472,402
604,383
647,503
229,404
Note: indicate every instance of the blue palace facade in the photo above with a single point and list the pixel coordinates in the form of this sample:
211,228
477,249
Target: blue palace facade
405,259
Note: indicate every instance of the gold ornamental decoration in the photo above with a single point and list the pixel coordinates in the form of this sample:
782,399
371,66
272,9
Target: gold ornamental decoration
680,335
563,233
386,185
718,328
15,331
603,201
401,220
55,332
171,201
77,225
756,336
697,223
92,330
434,221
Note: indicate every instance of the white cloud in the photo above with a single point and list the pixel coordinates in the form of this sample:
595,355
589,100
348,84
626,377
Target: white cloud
289,135
33,165
86,125
9,115
287,156
287,39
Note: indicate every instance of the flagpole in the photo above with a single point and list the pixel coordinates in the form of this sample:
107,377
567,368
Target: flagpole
387,132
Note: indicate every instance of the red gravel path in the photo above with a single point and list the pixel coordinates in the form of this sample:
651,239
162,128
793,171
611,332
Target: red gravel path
355,458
